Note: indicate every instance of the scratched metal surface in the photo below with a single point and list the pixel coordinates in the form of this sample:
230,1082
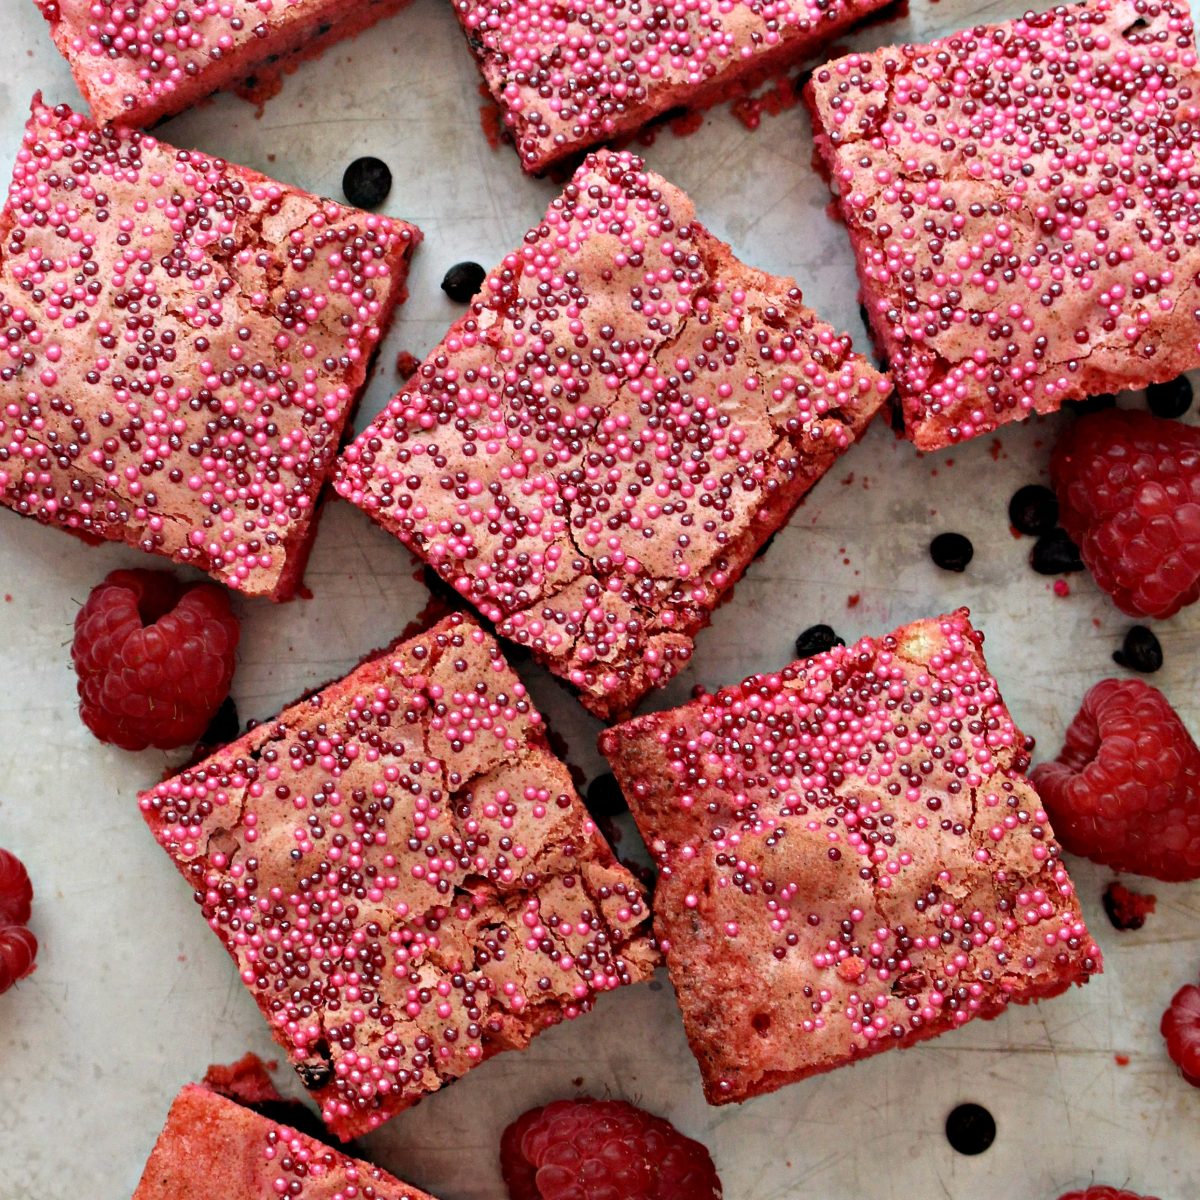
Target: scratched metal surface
133,996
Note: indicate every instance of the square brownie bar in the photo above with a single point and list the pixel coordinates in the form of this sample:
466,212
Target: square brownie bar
1022,203
138,61
181,343
571,76
405,875
214,1147
596,451
850,858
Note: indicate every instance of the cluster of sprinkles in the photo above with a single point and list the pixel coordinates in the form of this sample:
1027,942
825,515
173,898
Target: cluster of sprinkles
181,343
861,817
569,75
404,875
1022,204
279,1160
594,453
137,61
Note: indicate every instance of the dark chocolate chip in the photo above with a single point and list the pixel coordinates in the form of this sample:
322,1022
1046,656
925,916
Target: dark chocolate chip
1171,399
462,281
970,1128
314,1076
224,727
1033,509
816,639
367,182
1093,404
1140,651
1055,554
604,796
951,551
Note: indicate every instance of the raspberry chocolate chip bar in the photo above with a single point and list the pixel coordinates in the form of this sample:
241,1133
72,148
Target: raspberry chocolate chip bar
568,77
213,1146
181,343
1021,200
404,874
596,451
850,858
137,61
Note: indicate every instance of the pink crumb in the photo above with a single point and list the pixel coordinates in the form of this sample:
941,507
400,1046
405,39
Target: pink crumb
853,599
1062,588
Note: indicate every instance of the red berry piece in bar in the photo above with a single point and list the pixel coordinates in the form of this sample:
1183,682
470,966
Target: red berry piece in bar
404,875
212,1146
18,946
1125,788
181,343
1181,1028
850,858
137,61
603,1150
568,77
1128,487
1021,236
155,658
596,451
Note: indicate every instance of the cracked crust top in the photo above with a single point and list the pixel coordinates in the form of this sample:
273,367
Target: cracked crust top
595,452
212,1146
569,76
850,857
181,343
404,875
1022,203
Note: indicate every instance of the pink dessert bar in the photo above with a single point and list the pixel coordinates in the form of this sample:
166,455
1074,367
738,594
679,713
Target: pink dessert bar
212,1147
567,77
850,858
1022,201
596,451
181,343
404,875
137,61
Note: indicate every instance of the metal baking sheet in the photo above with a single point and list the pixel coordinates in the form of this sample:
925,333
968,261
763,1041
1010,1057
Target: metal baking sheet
133,996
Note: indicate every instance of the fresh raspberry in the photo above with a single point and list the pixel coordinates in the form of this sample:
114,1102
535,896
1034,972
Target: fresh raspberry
1125,789
1128,487
18,946
1104,1192
154,657
16,891
603,1150
1181,1027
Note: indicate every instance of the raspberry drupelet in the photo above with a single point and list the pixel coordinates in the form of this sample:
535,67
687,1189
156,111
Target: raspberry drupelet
181,344
596,451
1021,200
567,77
405,875
850,858
137,61
213,1146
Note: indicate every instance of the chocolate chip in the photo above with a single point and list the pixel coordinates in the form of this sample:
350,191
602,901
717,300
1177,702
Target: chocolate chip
816,639
1055,554
1093,404
604,796
951,551
1171,399
463,280
1033,509
314,1076
224,726
970,1128
1140,651
367,182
